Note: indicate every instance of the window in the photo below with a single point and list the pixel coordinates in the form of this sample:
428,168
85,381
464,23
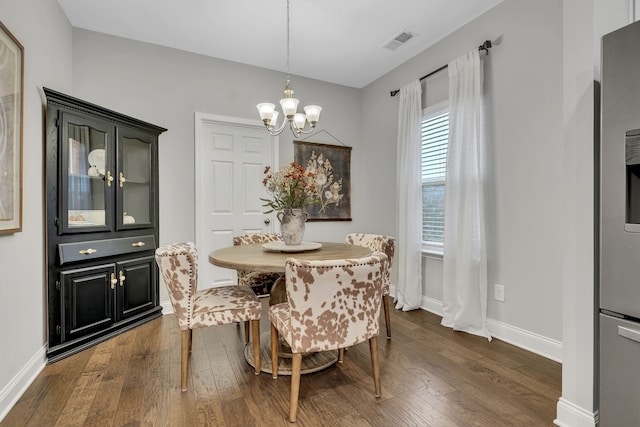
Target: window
435,133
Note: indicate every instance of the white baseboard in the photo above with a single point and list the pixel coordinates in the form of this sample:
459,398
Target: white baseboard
546,347
167,308
10,394
571,415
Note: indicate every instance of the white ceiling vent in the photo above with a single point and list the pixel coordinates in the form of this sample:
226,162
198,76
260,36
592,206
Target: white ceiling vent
399,39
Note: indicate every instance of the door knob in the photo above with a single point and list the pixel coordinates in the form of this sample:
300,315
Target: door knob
267,221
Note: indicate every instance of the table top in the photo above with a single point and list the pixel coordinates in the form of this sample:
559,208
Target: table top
256,258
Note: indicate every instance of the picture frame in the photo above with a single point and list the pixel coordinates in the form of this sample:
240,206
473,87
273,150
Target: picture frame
11,108
332,167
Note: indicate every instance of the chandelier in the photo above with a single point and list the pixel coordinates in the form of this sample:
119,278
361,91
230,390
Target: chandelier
289,104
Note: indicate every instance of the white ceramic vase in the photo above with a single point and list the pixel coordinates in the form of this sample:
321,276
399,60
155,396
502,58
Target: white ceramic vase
292,225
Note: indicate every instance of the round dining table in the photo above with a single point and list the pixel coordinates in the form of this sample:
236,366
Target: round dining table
272,259
266,260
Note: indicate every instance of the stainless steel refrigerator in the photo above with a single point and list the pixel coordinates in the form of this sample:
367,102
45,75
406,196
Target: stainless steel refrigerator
619,226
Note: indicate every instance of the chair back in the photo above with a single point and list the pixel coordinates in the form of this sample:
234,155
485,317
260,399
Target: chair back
253,238
178,264
336,303
375,242
260,282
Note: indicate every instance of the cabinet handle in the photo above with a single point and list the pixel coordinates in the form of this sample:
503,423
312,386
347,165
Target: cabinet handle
88,251
632,334
122,180
138,244
113,280
109,178
121,277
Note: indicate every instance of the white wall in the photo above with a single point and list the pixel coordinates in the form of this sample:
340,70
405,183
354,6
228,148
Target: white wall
584,23
46,38
167,87
523,85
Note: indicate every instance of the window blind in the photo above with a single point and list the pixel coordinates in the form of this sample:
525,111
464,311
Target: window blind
435,134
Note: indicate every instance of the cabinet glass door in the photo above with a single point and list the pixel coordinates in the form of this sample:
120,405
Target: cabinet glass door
86,175
135,181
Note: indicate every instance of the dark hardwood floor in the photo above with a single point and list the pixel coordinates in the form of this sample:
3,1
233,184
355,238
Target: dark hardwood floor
431,376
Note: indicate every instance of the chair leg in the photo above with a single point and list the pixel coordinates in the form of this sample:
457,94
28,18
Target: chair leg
255,329
387,317
375,364
340,355
190,341
246,332
184,362
274,351
296,366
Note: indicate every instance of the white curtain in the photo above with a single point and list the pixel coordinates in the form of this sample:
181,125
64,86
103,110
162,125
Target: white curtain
465,263
409,243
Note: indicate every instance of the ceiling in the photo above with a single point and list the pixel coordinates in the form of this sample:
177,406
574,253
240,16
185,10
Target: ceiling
338,41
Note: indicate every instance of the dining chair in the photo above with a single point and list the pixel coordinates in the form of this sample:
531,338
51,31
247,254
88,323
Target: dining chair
331,305
178,264
382,243
260,282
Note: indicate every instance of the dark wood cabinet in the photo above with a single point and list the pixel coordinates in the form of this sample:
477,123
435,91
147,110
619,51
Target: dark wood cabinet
101,223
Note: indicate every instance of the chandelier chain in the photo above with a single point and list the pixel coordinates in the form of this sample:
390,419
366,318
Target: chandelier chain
288,45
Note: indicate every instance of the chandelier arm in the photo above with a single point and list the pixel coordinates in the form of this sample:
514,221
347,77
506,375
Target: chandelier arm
297,131
302,129
305,131
279,130
294,129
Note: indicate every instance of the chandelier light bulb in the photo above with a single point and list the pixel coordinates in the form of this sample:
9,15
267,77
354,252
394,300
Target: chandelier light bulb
299,120
266,111
289,107
313,113
274,120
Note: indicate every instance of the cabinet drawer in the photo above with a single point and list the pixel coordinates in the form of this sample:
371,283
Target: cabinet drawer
95,249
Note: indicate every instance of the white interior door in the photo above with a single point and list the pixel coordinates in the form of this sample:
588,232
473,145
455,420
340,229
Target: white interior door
231,155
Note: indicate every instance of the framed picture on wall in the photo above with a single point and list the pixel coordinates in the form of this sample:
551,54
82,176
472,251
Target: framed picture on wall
11,101
331,165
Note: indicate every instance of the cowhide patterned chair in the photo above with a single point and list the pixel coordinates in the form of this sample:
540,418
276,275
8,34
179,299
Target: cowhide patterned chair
178,264
260,282
331,305
386,244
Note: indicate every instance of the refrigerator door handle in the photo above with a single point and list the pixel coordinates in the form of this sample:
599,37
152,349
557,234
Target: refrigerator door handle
632,334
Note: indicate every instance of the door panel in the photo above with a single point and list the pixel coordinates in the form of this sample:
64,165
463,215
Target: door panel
135,281
230,162
619,374
88,300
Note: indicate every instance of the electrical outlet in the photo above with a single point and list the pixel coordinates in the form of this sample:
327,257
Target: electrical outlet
498,292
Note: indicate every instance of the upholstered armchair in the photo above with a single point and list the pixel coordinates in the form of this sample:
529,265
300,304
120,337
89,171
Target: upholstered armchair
331,305
260,282
178,264
386,244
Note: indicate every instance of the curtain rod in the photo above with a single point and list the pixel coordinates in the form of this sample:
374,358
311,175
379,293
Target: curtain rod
484,46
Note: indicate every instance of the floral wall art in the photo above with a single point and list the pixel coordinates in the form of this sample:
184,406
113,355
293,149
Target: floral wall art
11,74
331,167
